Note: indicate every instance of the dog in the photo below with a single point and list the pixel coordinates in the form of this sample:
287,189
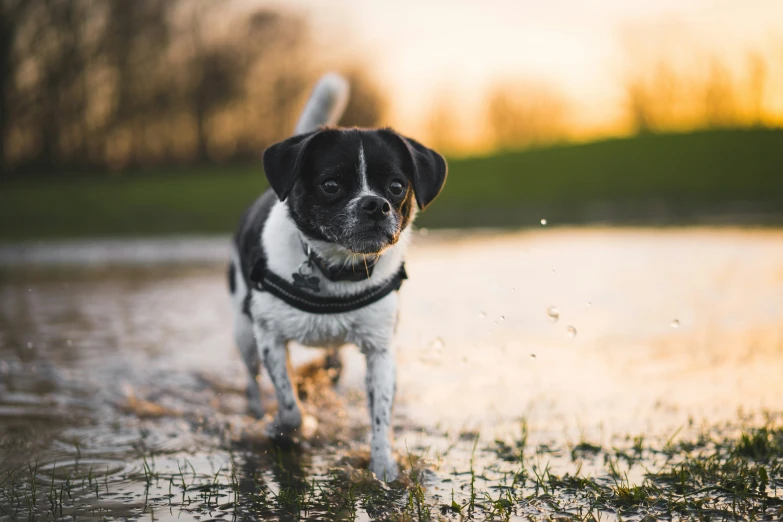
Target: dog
318,257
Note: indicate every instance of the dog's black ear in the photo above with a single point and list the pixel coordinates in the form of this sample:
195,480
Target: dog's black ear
428,168
283,162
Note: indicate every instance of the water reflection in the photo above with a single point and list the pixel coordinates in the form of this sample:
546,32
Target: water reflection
118,373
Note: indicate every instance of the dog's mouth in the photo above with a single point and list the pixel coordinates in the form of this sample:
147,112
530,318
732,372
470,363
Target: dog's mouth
361,238
371,243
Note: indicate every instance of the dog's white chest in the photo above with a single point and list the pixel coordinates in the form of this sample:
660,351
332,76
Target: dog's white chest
325,330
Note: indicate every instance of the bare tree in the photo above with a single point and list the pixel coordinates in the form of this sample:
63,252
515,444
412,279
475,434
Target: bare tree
669,88
523,113
442,123
757,82
122,83
13,14
719,100
137,34
651,97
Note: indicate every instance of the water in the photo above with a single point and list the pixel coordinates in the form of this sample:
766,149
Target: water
121,390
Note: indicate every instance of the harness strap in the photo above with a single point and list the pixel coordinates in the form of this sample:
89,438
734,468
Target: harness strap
266,281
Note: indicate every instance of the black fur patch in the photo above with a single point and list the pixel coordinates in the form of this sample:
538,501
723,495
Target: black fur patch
232,278
247,239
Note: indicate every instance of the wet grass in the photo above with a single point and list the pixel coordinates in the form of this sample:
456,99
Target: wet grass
719,473
674,178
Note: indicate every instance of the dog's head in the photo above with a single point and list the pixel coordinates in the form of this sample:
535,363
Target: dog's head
353,187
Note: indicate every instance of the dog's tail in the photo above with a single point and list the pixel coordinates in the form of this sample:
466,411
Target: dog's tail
326,104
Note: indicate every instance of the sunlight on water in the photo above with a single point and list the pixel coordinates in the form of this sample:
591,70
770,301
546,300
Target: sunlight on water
115,374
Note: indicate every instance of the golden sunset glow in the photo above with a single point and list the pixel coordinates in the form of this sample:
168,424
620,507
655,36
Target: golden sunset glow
698,60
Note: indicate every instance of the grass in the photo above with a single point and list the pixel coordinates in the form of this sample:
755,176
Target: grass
718,474
640,177
655,178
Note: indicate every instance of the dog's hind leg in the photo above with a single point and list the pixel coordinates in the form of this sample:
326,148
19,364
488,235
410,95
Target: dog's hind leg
333,364
243,334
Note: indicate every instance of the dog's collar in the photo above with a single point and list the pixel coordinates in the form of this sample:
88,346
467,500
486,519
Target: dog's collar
293,294
354,272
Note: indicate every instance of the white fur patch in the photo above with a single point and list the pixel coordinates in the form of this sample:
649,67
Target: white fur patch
367,327
361,170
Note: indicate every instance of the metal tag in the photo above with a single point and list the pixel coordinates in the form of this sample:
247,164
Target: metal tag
305,279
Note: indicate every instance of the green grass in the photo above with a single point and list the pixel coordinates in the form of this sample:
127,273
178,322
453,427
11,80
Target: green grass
199,201
716,475
656,178
672,176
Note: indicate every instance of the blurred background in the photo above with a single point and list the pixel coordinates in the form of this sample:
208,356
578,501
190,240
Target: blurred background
144,117
600,142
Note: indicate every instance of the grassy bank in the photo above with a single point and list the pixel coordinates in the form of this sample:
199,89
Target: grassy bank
709,477
670,178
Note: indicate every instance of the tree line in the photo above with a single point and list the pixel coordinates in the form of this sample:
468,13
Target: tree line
122,84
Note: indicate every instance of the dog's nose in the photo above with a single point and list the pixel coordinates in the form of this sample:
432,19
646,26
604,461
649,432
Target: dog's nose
375,207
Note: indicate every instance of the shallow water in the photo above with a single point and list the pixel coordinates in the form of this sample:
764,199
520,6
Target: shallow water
120,386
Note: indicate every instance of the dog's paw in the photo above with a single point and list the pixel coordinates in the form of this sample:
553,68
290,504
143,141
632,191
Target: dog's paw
384,468
284,428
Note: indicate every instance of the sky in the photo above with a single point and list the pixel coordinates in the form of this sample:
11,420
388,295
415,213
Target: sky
425,50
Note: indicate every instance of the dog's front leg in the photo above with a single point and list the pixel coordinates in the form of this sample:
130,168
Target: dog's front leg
381,386
274,353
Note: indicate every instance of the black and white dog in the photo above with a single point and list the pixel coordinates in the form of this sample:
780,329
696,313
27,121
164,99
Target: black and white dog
317,259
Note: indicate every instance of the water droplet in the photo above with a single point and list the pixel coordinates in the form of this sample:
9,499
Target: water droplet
502,317
532,356
482,315
553,313
552,270
675,323
437,345
543,221
589,303
571,331
423,232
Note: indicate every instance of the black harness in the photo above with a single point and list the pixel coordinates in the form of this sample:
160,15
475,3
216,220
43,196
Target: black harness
300,294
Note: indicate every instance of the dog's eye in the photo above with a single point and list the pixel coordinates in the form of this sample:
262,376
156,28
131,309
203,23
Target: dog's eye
396,188
330,186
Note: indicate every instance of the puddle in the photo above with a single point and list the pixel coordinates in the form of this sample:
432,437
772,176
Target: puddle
525,361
